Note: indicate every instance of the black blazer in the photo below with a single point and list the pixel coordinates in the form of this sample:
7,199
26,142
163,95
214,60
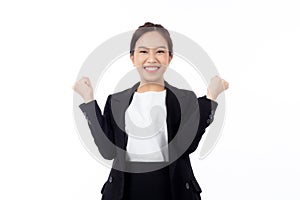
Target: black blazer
112,144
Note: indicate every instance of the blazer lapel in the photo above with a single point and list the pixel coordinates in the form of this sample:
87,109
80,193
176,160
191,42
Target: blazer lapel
119,104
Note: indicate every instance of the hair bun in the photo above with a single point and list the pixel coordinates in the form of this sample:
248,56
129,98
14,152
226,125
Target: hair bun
150,24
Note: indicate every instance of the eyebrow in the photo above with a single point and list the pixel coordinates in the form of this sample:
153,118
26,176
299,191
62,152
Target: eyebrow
148,47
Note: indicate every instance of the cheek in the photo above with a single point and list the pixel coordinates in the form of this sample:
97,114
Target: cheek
165,59
138,59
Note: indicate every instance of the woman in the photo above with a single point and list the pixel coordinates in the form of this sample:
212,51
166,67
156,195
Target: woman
144,120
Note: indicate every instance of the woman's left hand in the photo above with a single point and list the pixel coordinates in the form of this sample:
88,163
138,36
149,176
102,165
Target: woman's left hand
216,86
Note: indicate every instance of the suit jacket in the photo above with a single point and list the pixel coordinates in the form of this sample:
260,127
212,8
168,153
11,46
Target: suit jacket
107,129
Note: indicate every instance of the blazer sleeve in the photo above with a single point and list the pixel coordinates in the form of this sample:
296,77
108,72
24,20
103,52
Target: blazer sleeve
101,126
207,108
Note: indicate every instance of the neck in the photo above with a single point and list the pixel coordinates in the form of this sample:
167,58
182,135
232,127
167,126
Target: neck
151,86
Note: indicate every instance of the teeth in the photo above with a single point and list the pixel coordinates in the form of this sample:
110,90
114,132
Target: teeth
151,68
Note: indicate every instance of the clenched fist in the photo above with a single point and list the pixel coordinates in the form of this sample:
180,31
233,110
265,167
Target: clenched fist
84,88
216,87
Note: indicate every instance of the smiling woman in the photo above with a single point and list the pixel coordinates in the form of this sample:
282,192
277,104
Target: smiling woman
149,115
151,51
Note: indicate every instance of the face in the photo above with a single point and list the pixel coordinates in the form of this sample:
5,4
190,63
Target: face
151,57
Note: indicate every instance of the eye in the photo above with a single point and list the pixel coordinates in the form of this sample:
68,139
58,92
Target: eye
161,51
142,51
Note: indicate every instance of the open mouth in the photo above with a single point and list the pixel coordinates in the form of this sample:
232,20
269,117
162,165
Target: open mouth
151,68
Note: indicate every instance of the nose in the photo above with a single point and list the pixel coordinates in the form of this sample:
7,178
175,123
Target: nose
151,57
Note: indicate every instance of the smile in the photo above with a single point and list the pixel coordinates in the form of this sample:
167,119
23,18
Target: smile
151,68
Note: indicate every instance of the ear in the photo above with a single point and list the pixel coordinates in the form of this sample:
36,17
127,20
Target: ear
131,58
170,58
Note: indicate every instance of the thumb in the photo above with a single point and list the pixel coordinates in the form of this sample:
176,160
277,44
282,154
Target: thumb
226,85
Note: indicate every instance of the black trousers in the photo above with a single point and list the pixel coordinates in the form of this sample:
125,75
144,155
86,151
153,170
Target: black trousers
153,185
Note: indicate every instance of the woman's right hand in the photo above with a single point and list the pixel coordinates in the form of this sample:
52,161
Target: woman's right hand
84,88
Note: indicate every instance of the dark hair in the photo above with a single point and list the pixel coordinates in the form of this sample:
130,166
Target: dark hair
148,27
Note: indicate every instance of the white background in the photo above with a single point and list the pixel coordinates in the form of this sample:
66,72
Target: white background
254,44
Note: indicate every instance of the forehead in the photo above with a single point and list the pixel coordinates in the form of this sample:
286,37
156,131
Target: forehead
151,39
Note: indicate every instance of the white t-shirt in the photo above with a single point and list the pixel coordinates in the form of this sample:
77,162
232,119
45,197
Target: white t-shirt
145,124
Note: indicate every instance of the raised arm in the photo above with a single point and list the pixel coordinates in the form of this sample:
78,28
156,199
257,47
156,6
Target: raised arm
100,124
207,108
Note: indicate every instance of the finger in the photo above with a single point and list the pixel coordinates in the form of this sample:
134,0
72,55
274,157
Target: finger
85,80
88,82
226,84
213,78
